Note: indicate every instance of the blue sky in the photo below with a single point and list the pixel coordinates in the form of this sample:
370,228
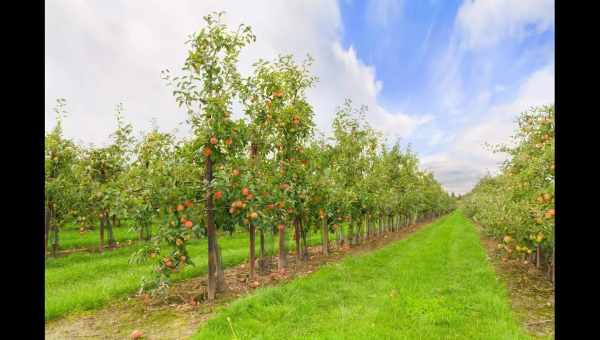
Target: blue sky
445,76
407,43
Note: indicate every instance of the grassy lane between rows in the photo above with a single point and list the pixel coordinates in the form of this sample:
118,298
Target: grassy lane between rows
69,238
436,284
85,281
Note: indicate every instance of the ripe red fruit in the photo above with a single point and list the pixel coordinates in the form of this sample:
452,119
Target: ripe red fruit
188,224
296,120
189,203
218,195
213,140
228,141
180,207
235,172
249,197
245,191
281,226
206,151
136,334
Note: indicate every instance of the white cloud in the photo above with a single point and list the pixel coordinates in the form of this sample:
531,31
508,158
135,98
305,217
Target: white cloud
467,159
98,55
484,23
380,12
436,137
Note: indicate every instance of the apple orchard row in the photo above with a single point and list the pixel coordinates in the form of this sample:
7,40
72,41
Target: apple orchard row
267,171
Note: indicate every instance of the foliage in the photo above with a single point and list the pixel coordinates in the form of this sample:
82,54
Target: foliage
266,168
517,205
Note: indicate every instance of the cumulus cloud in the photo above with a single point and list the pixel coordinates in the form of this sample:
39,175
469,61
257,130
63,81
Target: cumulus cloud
467,159
380,12
99,55
480,26
485,23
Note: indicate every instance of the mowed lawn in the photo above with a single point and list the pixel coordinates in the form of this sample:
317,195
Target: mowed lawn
70,238
436,284
85,281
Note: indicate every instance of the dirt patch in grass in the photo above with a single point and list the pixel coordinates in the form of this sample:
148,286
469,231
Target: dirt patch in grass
184,310
531,293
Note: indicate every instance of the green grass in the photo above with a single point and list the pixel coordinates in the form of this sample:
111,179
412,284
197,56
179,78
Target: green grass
436,284
70,238
85,281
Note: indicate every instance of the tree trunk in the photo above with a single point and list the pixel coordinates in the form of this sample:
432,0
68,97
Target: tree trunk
252,249
220,273
359,229
211,234
101,234
553,266
304,242
263,263
282,260
111,239
46,230
351,233
325,232
55,239
114,221
538,256
297,239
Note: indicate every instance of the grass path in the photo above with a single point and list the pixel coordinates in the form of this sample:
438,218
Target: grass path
436,284
71,238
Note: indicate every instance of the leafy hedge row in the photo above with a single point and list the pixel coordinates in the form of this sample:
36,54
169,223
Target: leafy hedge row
517,205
